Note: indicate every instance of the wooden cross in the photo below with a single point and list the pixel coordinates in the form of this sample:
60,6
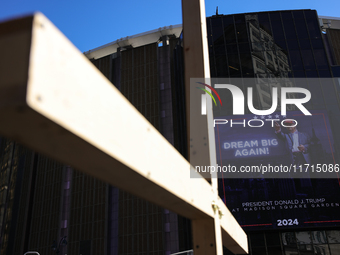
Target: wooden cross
53,100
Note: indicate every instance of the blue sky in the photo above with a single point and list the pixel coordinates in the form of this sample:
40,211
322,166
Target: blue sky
89,24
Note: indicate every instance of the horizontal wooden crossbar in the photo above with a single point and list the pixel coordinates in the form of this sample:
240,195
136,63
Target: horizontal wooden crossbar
53,100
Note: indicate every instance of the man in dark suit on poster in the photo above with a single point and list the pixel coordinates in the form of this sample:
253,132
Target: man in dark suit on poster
296,142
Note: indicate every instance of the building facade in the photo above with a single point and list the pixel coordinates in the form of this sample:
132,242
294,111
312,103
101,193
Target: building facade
298,48
46,206
145,75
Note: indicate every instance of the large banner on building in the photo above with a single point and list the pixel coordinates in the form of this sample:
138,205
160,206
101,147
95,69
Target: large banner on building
305,195
295,145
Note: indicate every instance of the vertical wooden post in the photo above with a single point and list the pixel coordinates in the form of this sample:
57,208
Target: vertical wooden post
207,237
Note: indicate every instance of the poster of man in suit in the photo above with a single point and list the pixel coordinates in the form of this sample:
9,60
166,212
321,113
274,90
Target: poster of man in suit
295,198
296,142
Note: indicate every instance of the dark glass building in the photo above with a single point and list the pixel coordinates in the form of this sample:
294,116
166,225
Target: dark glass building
293,46
279,44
